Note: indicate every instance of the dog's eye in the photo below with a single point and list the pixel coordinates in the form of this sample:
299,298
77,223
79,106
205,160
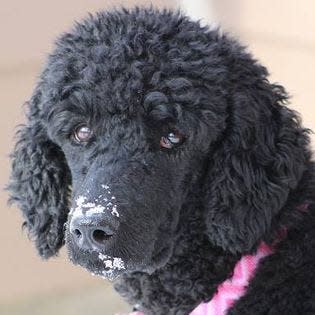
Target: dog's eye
171,140
82,133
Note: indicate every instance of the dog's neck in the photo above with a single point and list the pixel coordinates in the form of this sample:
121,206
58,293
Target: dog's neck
197,268
194,263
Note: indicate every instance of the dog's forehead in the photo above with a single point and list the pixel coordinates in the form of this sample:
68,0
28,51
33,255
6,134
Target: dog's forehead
121,56
124,65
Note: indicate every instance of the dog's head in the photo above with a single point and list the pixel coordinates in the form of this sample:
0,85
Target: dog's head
135,112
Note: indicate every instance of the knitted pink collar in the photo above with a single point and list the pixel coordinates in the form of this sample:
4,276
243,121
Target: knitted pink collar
233,288
229,291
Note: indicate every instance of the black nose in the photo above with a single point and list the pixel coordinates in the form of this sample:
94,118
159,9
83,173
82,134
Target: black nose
91,234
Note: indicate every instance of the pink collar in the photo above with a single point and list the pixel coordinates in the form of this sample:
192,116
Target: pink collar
233,288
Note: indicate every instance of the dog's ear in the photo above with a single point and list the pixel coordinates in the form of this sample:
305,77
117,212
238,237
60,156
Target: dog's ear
40,182
259,160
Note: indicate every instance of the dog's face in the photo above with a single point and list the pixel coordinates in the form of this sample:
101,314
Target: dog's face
131,171
134,114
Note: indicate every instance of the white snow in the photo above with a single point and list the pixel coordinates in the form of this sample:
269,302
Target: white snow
112,263
81,204
114,211
94,207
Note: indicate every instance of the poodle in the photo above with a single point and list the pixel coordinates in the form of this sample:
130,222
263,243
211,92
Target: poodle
157,150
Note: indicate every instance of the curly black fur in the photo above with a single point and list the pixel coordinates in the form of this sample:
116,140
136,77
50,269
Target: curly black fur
186,214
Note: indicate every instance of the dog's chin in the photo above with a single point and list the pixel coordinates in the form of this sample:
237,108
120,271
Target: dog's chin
107,273
111,266
99,264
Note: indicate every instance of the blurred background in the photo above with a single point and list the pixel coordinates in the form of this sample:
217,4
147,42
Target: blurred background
279,33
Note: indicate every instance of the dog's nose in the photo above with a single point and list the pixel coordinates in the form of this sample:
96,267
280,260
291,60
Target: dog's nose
91,234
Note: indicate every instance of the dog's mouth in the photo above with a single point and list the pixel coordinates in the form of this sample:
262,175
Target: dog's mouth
106,266
113,263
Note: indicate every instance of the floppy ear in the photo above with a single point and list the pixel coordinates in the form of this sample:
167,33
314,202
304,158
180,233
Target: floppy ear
39,182
259,160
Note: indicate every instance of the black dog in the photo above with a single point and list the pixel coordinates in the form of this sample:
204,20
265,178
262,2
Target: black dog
176,157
